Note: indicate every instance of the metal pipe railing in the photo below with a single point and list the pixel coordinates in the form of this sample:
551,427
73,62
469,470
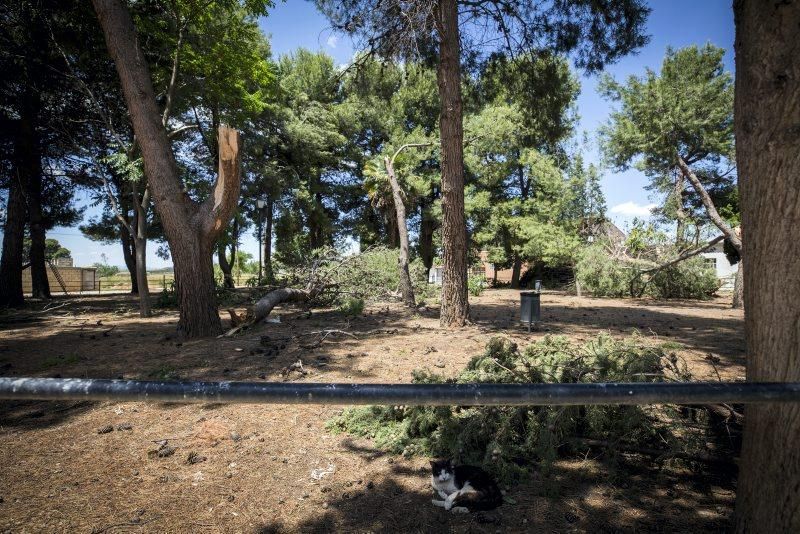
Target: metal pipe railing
404,394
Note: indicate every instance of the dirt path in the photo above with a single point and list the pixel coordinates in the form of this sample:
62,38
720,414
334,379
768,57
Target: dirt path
275,468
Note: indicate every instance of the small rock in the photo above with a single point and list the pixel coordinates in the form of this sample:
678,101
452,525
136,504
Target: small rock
235,436
238,349
325,505
281,501
229,475
325,489
135,472
231,498
105,430
261,440
438,363
370,485
125,426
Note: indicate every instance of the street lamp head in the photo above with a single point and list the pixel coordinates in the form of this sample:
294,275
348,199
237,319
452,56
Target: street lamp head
260,204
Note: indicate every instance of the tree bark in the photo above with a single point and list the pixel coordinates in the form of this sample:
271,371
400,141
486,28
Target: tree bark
269,275
738,287
767,122
711,210
225,265
406,287
191,228
13,235
129,254
455,303
287,294
30,167
427,227
516,269
140,206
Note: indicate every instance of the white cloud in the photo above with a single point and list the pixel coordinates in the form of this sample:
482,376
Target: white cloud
632,209
333,40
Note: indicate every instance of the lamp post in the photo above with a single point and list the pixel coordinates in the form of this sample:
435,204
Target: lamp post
260,204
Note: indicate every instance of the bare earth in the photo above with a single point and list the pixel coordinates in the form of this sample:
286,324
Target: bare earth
276,468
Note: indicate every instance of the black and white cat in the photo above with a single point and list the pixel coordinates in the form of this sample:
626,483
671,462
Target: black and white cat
464,488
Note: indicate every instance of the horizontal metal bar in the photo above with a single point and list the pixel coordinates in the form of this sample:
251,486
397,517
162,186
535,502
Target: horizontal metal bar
406,394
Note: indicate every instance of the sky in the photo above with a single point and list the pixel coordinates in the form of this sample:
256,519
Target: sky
677,23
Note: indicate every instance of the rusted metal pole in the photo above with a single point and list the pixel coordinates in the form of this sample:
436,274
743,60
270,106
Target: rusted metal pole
406,394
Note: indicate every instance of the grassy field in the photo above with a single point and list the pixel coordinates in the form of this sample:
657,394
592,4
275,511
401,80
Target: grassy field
156,280
122,280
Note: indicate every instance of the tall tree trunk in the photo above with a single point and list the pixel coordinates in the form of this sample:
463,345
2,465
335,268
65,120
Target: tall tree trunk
711,210
516,269
455,303
406,287
140,206
767,119
191,228
141,277
578,289
13,235
32,166
226,266
269,275
129,254
738,287
427,227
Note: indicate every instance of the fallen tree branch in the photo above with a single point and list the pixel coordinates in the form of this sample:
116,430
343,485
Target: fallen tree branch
685,255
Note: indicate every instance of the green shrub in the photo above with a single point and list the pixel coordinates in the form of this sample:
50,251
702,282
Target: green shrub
475,285
352,307
509,440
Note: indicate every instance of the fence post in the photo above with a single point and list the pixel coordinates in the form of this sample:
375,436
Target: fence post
99,282
164,282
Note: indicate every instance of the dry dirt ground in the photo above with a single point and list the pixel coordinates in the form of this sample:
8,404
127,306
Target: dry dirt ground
275,468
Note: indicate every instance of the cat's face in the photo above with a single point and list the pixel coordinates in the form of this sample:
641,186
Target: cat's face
442,470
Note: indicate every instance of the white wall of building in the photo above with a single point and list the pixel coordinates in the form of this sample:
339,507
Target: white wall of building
725,271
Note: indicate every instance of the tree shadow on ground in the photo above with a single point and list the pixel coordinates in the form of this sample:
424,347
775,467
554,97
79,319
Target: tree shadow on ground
722,336
596,495
29,415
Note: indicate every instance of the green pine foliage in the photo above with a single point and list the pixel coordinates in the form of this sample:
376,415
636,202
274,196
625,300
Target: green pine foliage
509,441
605,276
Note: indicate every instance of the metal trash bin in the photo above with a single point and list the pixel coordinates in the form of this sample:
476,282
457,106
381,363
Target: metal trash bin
531,306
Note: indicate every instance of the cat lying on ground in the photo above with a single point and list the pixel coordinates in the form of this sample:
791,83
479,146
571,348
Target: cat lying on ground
464,488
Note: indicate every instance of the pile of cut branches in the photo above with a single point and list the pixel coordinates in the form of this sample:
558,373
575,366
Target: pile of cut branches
509,440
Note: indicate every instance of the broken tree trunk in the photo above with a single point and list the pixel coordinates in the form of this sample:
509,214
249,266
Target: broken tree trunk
406,287
286,294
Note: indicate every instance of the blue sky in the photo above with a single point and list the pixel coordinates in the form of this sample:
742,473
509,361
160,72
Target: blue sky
675,23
